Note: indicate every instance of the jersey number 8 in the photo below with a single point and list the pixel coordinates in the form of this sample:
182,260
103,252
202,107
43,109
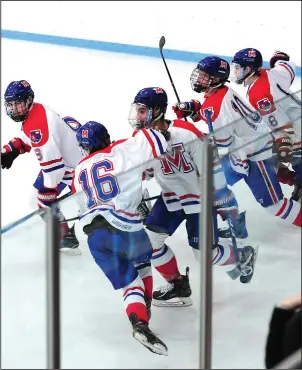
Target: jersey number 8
101,187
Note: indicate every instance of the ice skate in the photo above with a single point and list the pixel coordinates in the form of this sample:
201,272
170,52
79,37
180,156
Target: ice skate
69,244
175,294
248,257
143,334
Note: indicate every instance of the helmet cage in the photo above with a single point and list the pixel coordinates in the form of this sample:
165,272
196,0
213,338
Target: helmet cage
18,109
201,81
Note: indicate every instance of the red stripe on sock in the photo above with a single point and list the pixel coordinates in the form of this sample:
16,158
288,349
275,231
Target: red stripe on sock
139,309
282,208
169,270
148,282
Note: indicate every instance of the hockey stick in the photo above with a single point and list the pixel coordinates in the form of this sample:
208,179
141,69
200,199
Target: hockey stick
144,200
27,217
162,42
236,272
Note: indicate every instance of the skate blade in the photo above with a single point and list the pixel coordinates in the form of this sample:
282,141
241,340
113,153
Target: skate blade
173,302
254,264
71,251
158,348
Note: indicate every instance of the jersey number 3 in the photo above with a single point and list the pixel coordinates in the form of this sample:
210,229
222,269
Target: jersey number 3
98,185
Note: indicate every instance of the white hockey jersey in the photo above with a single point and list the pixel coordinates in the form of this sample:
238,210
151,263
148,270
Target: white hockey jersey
54,143
237,127
270,94
178,172
109,182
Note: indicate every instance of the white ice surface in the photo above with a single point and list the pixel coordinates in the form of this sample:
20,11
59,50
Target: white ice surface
95,331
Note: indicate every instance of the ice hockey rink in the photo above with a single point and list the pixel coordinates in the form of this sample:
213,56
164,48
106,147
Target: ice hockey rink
100,86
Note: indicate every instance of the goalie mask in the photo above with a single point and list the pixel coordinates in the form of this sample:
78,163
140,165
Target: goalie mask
150,104
18,100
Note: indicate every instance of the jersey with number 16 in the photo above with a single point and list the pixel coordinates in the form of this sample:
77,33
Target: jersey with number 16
109,182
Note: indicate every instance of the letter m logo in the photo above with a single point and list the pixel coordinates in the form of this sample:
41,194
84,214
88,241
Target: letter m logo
175,161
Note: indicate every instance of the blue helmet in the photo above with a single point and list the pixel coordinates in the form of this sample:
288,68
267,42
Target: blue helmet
149,98
93,136
152,97
248,57
21,92
217,68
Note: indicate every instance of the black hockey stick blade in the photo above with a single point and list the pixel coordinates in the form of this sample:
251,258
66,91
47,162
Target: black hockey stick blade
162,42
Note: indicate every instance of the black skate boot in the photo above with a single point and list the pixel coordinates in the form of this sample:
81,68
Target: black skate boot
248,256
143,334
175,294
69,244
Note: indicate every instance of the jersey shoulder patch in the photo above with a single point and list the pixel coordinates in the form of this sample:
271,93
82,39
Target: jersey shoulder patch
212,105
35,126
260,95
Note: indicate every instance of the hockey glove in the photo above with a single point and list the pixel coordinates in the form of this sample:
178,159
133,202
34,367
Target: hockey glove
225,203
46,196
284,147
10,151
7,158
297,193
143,210
285,175
187,109
278,55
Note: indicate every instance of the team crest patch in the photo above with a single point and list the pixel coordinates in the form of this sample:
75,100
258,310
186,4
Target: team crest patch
24,83
158,90
35,136
264,104
223,64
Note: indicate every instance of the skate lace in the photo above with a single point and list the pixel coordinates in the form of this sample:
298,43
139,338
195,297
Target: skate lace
166,288
246,270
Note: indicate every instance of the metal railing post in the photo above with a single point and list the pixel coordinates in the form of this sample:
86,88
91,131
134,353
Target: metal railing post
53,290
205,244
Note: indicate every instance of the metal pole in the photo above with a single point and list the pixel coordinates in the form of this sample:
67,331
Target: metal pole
205,244
53,290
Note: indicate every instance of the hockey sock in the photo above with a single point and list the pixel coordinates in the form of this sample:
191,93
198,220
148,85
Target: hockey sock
223,254
164,261
134,301
145,272
287,209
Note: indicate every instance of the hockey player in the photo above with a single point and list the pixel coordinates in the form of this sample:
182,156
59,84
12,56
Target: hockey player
109,186
248,140
269,93
54,142
178,177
